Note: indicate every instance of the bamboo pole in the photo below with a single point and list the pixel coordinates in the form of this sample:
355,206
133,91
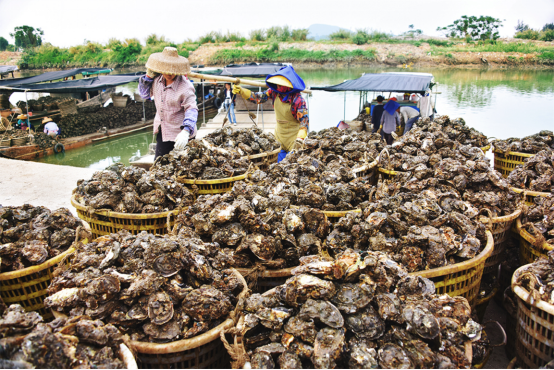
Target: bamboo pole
235,80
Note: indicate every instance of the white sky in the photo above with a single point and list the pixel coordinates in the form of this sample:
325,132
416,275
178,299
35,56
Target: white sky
70,22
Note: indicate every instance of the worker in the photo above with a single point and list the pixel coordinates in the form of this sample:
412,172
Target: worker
229,103
23,122
411,115
377,113
176,111
290,107
426,106
50,127
390,120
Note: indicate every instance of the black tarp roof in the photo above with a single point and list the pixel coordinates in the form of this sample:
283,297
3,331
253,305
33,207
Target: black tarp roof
48,76
391,81
251,69
77,86
6,69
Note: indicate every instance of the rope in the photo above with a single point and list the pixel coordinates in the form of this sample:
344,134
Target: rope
250,114
254,274
236,350
539,239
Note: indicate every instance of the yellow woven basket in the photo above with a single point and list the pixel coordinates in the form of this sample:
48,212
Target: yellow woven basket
485,149
106,222
216,186
505,163
530,195
463,278
500,227
367,171
264,160
528,252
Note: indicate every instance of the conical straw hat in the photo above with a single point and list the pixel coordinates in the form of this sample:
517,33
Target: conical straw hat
168,62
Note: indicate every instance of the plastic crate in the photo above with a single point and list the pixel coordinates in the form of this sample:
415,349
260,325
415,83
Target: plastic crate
462,279
535,327
105,222
205,351
505,163
501,232
28,287
530,195
528,249
216,186
264,160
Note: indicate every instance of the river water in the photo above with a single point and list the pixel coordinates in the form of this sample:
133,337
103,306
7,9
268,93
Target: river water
500,103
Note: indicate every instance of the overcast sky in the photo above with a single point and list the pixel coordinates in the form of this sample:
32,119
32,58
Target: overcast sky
70,22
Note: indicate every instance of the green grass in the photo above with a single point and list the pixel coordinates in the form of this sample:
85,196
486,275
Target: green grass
545,53
289,55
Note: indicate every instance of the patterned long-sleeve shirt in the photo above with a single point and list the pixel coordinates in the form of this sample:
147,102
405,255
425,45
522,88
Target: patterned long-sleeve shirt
297,107
175,105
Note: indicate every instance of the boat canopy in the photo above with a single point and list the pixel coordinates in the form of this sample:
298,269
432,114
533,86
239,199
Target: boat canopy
48,76
251,69
77,86
7,69
407,82
97,72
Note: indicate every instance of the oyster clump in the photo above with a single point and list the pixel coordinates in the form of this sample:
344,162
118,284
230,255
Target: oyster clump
536,174
400,323
123,280
543,140
538,219
31,235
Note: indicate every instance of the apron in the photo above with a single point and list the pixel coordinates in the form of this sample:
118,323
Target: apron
287,127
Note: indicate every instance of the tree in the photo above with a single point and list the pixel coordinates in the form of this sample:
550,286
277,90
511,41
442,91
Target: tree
474,28
26,36
3,43
521,26
412,32
548,26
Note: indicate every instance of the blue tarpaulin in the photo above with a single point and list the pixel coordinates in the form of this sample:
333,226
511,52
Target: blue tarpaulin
77,86
48,76
406,82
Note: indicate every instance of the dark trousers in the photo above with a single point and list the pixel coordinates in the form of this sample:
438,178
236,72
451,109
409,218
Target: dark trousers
163,147
388,138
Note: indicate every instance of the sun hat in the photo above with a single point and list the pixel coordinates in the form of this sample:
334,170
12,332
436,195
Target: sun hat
46,119
393,99
280,80
168,62
22,116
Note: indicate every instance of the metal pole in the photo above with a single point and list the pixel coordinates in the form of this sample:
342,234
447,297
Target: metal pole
258,106
203,106
344,117
27,107
263,124
308,104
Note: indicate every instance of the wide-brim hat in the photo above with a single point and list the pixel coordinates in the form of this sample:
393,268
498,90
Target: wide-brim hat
168,62
22,116
46,119
280,80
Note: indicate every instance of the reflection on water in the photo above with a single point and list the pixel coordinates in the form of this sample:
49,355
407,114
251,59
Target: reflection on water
499,103
104,153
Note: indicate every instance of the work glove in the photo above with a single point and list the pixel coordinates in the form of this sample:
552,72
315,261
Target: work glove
150,73
302,133
245,93
182,140
380,128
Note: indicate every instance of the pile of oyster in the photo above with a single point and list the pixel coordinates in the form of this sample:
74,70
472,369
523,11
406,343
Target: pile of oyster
152,288
201,160
544,140
537,173
455,130
31,235
246,141
420,231
537,279
330,144
307,181
441,165
358,310
133,190
252,226
541,216
79,342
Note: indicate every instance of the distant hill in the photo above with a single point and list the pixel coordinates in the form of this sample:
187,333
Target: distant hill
321,31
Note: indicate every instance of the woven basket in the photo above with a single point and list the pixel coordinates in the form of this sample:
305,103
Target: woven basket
535,327
528,252
500,227
216,186
266,279
67,107
5,142
106,222
387,174
506,163
530,195
205,351
19,141
264,160
463,278
368,171
485,149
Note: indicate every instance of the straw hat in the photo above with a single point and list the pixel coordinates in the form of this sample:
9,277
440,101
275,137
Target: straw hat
46,119
22,116
280,80
168,62
17,110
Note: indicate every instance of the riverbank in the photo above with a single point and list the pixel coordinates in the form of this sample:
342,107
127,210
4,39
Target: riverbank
509,53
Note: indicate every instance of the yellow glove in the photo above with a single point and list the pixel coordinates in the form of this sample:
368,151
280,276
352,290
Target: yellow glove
302,133
150,73
245,93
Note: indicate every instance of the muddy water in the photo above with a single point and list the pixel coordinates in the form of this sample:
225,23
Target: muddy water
499,103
